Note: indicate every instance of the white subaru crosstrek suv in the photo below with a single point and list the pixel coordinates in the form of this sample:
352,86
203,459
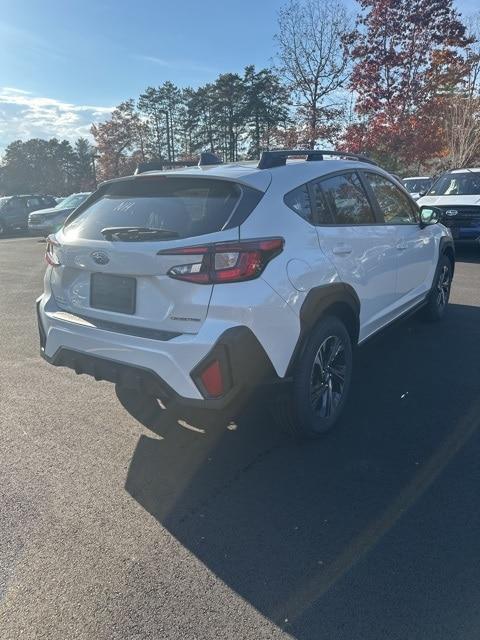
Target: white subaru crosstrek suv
196,285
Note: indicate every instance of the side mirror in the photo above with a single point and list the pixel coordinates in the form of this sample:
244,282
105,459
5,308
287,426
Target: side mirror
421,194
428,215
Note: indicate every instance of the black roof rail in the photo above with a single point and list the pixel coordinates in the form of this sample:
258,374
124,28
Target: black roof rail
459,169
271,159
207,158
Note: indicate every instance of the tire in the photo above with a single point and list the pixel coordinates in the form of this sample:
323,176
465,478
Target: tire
319,392
440,293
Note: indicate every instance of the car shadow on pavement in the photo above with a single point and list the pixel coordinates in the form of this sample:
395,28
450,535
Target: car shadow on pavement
284,524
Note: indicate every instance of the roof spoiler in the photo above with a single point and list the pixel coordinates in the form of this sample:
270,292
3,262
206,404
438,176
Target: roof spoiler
153,165
271,159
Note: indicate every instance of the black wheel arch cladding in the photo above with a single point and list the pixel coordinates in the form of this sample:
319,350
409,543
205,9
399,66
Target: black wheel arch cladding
339,299
447,248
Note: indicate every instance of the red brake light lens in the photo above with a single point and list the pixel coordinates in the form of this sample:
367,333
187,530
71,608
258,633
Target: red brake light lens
225,262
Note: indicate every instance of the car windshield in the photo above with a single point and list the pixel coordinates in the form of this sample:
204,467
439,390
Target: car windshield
417,185
187,206
73,201
457,184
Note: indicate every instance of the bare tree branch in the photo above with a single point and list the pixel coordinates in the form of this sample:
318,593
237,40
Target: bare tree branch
313,61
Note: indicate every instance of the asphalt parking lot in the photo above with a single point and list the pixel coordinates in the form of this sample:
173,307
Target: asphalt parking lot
112,529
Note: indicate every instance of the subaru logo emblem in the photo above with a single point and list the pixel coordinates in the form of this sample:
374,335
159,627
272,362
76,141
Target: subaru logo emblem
100,257
451,212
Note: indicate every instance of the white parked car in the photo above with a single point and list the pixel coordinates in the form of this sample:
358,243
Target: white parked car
456,199
198,284
417,186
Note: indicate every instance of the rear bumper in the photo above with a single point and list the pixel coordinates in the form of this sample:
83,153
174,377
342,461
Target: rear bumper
465,235
467,241
164,369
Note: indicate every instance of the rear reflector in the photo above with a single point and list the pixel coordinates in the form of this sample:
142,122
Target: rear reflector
212,379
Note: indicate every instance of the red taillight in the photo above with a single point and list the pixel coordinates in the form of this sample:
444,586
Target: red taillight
225,262
50,252
212,379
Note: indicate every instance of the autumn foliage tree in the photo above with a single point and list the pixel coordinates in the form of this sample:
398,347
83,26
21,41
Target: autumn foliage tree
407,58
395,87
120,142
462,113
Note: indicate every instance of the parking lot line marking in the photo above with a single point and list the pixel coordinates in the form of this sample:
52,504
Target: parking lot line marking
326,577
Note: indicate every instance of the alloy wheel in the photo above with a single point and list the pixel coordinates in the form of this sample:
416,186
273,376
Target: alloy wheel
443,286
327,379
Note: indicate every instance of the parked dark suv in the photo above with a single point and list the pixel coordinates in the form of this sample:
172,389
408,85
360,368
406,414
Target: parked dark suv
14,210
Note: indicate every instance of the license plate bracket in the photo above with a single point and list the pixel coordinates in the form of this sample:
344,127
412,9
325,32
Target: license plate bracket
113,293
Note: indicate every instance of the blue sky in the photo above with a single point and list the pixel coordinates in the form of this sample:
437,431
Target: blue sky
65,63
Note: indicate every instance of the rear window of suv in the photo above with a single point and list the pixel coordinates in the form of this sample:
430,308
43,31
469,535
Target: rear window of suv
187,206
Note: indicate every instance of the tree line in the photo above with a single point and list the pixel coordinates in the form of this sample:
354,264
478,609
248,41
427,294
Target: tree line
48,167
400,82
235,116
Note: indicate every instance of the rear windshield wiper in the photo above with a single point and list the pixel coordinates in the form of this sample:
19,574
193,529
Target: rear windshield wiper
138,233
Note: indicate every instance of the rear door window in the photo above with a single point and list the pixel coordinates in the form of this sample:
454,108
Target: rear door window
394,205
323,213
347,199
186,206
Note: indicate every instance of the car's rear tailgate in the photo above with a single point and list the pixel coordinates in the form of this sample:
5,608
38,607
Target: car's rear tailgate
127,283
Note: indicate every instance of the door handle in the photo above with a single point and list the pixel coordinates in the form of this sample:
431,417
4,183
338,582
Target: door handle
342,249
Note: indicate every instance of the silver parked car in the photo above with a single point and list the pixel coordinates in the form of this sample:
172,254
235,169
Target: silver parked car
46,221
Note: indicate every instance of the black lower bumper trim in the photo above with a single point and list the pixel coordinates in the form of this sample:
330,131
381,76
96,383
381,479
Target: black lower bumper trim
249,365
242,359
115,327
117,372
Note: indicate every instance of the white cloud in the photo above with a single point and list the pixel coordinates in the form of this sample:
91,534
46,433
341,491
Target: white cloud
12,90
152,59
184,65
24,115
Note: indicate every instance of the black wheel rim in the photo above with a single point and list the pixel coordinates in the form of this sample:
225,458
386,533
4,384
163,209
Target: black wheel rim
443,286
327,380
